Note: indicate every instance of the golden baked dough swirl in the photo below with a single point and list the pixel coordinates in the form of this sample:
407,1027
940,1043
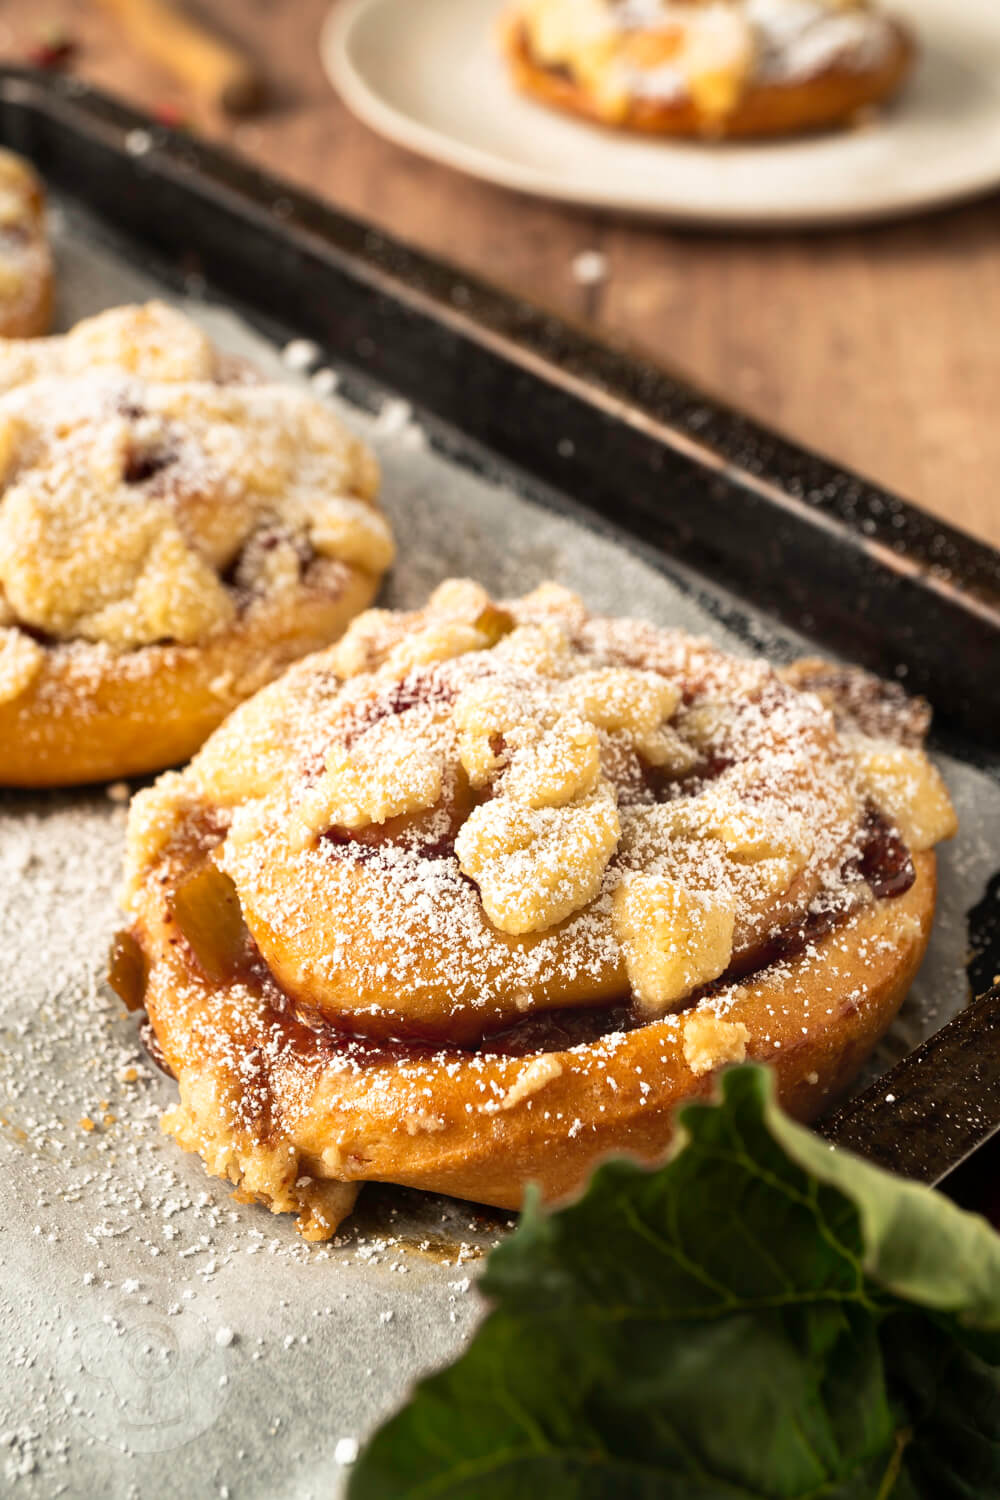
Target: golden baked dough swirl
168,543
481,862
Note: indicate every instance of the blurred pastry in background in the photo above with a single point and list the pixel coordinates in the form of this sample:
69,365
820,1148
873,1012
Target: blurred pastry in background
708,68
26,280
150,340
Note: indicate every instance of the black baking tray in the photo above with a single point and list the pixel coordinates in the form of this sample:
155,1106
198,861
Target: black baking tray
850,565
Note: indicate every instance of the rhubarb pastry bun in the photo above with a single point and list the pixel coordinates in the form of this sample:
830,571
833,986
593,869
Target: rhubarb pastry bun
480,894
716,68
26,278
167,546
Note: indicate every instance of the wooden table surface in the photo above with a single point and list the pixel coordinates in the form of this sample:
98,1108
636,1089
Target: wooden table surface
878,347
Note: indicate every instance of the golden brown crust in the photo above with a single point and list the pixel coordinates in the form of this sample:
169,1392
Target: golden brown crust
90,715
26,275
480,1126
827,99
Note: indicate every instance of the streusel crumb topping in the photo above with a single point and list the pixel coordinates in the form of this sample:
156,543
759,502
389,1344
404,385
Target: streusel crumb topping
135,512
152,341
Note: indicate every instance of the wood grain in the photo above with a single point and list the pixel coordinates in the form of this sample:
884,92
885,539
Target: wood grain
877,346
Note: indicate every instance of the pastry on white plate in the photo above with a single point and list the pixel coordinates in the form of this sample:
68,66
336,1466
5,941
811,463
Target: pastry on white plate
708,68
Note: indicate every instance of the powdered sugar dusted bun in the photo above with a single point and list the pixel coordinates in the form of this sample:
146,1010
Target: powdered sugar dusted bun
26,280
708,68
482,892
167,546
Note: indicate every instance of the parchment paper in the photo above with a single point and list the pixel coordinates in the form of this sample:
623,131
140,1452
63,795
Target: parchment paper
157,1338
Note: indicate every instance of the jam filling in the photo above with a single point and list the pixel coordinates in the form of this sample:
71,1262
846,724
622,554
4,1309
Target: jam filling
243,574
415,690
142,464
151,1042
884,862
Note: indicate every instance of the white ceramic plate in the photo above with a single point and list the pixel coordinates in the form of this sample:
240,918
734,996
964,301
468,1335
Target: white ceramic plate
426,73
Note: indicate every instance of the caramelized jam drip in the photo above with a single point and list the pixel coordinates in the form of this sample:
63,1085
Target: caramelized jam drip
151,1042
558,1030
885,861
128,971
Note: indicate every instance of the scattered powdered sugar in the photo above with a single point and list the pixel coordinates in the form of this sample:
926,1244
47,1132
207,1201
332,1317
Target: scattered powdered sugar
122,1262
589,267
138,142
134,476
301,354
346,1450
395,423
324,382
800,38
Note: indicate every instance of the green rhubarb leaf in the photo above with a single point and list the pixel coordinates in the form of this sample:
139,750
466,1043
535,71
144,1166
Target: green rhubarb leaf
763,1318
